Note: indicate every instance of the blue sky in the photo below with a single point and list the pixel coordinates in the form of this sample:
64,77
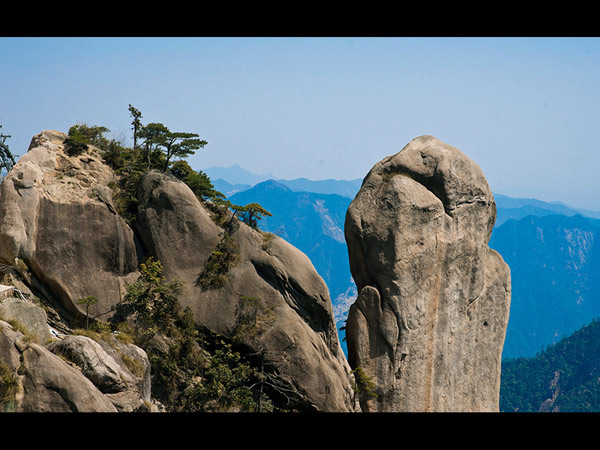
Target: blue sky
527,110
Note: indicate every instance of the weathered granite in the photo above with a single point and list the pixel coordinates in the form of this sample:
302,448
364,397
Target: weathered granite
46,383
429,322
56,230
295,327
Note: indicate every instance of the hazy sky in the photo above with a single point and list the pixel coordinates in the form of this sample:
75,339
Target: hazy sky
527,110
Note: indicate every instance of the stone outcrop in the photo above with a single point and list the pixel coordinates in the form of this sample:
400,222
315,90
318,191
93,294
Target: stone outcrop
61,238
59,233
429,322
70,374
267,278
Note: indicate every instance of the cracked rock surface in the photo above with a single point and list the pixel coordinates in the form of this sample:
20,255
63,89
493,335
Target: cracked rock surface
429,322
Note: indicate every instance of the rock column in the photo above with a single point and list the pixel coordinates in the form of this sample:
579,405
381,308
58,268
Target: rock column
429,322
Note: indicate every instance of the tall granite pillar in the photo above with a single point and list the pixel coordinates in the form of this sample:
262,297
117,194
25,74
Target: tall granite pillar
429,322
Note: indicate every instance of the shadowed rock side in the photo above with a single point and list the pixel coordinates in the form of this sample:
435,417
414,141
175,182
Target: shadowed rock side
429,322
292,319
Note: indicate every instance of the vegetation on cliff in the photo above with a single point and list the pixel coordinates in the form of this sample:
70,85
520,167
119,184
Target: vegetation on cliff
275,348
7,159
154,151
155,147
9,386
193,369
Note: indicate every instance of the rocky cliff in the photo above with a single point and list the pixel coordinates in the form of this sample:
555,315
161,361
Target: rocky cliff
61,239
429,322
58,229
265,276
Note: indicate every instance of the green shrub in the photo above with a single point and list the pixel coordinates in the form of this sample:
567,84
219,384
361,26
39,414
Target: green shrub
252,318
363,386
198,182
223,257
80,136
150,301
228,383
9,386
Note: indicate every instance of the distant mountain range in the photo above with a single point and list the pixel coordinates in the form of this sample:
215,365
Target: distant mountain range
230,180
517,208
235,179
236,175
555,277
553,250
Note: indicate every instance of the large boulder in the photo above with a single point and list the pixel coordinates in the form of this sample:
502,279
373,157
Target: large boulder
59,230
29,315
120,371
266,280
429,322
43,381
42,364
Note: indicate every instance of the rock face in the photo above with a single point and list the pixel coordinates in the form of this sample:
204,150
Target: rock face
268,280
58,232
429,322
61,238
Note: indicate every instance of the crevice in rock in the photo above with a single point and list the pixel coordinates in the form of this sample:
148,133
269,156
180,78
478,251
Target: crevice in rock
295,296
432,184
